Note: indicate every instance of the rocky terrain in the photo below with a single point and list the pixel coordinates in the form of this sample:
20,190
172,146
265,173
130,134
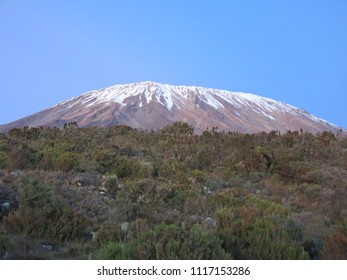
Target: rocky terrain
152,106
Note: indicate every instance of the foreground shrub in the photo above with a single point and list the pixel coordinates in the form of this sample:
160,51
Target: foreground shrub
335,244
42,216
255,229
168,242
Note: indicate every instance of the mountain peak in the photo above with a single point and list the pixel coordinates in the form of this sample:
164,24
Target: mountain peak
151,105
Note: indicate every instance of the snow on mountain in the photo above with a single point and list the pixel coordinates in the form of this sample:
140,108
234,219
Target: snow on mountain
150,105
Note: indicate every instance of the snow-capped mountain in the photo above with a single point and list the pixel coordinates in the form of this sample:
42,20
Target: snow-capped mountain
150,105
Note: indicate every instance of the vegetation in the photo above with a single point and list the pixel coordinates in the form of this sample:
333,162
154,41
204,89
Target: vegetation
122,193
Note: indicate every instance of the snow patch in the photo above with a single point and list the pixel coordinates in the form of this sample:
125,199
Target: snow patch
187,96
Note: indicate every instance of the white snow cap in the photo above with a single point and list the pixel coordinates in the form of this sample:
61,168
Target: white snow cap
175,96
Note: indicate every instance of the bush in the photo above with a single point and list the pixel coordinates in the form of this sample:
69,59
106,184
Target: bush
255,229
3,160
168,242
42,216
335,244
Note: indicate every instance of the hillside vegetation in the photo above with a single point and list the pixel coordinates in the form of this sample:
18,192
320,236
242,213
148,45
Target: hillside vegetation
122,193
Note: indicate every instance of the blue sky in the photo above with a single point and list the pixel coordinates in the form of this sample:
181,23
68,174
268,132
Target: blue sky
293,51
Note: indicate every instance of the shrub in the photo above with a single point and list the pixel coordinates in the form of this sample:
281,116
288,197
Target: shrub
115,251
178,128
335,244
3,160
167,242
255,229
41,215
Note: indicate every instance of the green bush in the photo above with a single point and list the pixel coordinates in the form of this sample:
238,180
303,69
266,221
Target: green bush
168,242
3,160
42,216
255,229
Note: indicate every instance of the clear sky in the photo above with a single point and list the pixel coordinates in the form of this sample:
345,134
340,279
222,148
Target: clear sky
292,51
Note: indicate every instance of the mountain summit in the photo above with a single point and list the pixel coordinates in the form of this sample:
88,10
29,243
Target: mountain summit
150,105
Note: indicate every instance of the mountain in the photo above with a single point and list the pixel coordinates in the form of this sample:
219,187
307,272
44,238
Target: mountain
150,105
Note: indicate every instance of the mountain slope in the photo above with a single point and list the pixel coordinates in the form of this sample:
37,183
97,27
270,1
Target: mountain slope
150,105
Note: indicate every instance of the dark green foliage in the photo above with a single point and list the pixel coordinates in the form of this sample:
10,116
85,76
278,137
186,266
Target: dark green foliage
164,242
3,160
178,128
123,193
255,229
42,216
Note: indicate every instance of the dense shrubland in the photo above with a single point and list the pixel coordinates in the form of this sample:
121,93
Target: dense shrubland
122,193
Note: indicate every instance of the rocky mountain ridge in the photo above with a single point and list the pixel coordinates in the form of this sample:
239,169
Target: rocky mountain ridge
151,105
